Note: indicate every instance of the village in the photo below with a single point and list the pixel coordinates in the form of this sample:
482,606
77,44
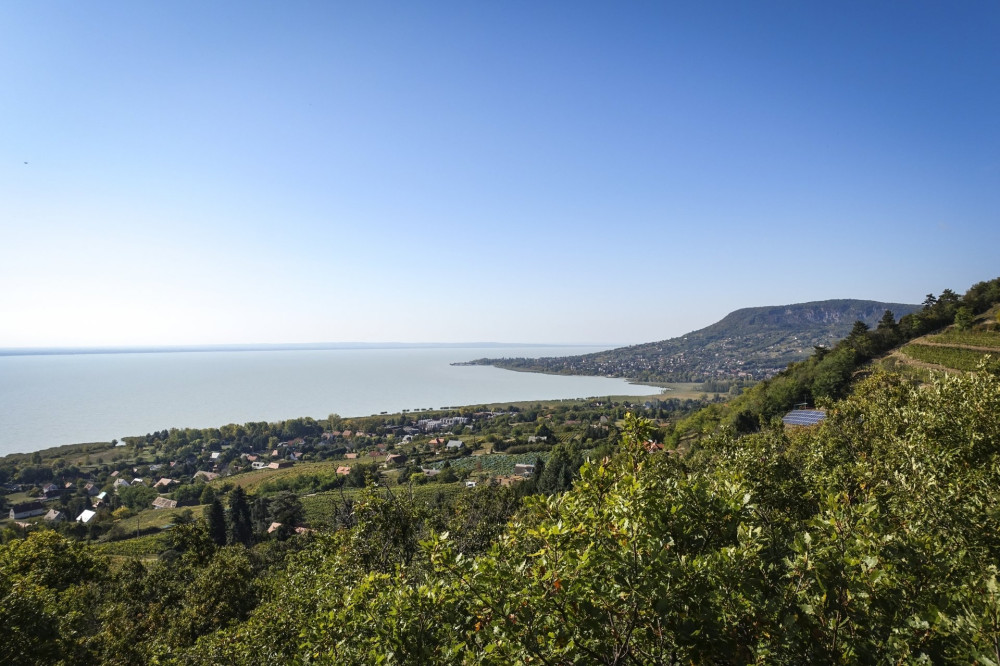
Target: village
142,485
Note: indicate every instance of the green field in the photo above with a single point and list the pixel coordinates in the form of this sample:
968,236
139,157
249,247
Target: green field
955,358
144,546
319,507
978,338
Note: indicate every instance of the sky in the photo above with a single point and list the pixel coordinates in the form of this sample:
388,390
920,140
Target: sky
590,172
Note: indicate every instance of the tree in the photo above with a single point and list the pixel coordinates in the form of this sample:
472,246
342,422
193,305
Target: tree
286,508
137,497
240,522
963,318
216,520
207,495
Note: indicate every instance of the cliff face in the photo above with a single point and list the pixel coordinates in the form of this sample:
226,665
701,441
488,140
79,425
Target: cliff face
751,342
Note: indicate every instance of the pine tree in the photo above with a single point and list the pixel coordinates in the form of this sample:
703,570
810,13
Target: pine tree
216,519
240,524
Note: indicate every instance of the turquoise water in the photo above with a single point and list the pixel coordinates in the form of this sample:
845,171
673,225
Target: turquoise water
64,399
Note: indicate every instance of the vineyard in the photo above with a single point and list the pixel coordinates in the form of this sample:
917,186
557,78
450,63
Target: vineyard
145,546
320,507
956,358
975,338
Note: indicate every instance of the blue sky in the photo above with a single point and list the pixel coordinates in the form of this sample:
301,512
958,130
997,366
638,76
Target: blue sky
544,172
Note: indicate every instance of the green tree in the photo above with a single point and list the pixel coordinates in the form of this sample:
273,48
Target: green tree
215,518
240,522
963,318
137,497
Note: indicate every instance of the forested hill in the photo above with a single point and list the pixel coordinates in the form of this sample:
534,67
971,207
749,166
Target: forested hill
751,342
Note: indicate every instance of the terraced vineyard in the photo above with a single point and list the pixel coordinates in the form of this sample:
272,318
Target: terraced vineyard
954,349
954,358
977,338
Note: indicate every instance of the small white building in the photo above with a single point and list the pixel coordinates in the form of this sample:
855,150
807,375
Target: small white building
86,516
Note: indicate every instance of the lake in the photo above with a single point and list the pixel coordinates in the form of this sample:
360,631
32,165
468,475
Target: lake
49,400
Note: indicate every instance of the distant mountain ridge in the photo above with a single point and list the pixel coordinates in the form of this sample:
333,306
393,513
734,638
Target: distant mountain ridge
748,343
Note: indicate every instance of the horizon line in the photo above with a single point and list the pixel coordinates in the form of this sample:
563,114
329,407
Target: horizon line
276,346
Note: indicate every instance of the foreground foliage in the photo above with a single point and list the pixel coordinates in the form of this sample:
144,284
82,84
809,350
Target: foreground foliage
872,538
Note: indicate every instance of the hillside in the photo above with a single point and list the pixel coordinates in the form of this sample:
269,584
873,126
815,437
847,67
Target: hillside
750,342
955,349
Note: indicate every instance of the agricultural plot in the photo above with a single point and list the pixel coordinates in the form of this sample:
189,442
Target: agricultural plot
320,507
956,358
977,338
144,546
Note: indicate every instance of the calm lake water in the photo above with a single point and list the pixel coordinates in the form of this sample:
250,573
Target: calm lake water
65,399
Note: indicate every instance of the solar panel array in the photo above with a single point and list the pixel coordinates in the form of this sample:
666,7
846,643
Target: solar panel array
803,417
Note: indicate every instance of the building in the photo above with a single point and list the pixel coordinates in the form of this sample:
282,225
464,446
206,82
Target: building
86,516
164,503
26,510
396,459
55,516
524,470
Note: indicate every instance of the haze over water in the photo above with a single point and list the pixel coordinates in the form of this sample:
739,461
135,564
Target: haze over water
50,400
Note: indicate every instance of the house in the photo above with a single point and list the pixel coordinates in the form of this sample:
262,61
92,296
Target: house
280,464
343,470
138,481
454,445
215,455
436,442
429,471
259,464
537,438
86,516
120,483
51,490
298,530
101,497
351,456
163,483
92,489
470,484
524,470
396,459
114,474
54,516
208,476
26,510
164,503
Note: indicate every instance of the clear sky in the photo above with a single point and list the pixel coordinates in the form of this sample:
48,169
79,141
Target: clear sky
186,172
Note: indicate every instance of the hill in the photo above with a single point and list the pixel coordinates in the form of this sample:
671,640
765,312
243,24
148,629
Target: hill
751,343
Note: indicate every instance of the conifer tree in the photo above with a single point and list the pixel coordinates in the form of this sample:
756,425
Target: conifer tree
216,519
240,524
